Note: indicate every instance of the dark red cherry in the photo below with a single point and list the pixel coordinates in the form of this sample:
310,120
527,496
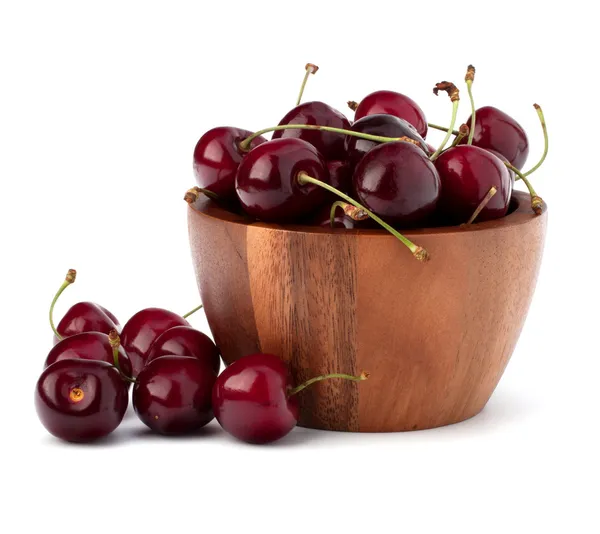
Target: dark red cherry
398,182
251,402
467,173
186,341
392,103
217,157
142,330
498,131
340,176
81,400
382,125
172,394
330,145
266,180
86,317
88,346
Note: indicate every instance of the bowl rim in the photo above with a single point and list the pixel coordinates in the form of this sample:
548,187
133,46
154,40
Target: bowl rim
521,213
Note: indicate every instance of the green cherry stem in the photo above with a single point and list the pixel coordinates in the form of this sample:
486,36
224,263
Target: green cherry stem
115,343
363,376
69,279
191,312
441,128
536,201
453,93
488,196
540,113
469,78
244,146
463,131
418,252
310,69
356,214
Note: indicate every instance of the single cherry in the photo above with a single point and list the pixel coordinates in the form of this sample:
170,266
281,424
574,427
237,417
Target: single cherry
254,399
88,346
380,125
81,400
398,182
393,103
186,341
81,317
172,394
329,144
467,174
217,156
266,180
140,332
498,131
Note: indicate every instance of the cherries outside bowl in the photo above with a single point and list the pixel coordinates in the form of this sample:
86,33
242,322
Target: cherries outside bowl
436,337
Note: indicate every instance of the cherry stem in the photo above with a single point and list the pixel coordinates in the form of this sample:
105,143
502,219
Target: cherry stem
363,376
536,201
469,78
246,143
192,194
69,279
418,252
356,214
441,128
115,343
310,69
463,131
191,312
482,204
352,105
540,113
453,93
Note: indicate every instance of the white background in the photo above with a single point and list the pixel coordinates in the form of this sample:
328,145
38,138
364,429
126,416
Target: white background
101,104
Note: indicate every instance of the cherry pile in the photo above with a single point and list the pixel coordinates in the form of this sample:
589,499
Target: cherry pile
83,391
321,169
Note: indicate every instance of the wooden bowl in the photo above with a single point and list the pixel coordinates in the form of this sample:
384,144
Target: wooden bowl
436,336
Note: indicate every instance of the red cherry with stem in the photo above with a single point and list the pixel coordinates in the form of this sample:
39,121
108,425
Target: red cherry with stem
255,401
81,317
186,341
467,173
172,394
88,346
276,182
498,131
398,182
142,329
392,103
329,144
81,400
379,125
217,157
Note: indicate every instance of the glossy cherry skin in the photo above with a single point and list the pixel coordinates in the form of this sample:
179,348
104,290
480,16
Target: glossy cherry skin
250,399
86,317
172,394
340,177
330,145
398,182
266,182
217,157
383,125
140,332
396,104
80,400
186,341
498,131
467,173
88,346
